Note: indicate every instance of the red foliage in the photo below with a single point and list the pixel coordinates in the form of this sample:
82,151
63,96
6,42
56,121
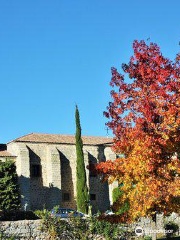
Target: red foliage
144,116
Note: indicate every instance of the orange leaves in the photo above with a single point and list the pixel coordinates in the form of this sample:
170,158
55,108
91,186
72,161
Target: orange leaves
144,116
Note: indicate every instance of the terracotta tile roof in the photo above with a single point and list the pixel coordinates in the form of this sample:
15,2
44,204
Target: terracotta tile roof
6,154
60,138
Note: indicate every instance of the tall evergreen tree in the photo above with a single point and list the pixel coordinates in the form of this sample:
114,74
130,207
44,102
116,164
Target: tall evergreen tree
81,185
9,188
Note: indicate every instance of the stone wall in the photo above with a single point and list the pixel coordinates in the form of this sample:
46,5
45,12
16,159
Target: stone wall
31,229
25,230
58,174
147,225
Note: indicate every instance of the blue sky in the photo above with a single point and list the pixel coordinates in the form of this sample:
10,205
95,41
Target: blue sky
54,54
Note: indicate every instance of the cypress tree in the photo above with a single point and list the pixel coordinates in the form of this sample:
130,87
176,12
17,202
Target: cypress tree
81,185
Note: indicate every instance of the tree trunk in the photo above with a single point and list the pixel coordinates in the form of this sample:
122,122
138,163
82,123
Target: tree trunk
154,237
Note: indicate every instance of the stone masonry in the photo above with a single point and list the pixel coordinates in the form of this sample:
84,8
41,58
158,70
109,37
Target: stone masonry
32,229
23,230
46,166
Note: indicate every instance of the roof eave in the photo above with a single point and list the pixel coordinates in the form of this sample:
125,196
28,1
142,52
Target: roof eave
85,144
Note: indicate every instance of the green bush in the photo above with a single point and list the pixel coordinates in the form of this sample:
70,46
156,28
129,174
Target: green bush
78,228
55,226
9,188
16,215
171,228
116,194
147,238
105,229
118,207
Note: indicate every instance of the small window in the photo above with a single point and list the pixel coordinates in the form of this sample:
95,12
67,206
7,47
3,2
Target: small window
66,197
92,197
35,171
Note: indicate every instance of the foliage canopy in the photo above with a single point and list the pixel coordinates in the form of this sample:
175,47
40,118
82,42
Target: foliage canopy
9,188
144,116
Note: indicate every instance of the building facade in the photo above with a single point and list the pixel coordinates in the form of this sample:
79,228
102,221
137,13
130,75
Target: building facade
46,167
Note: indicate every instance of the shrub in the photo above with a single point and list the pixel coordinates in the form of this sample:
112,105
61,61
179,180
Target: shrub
78,228
171,228
53,226
106,229
116,193
9,188
147,238
16,215
119,207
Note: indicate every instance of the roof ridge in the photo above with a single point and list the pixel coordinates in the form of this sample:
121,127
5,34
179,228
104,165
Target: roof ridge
62,134
16,139
61,138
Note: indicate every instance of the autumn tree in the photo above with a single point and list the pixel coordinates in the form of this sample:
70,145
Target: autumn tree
81,185
144,116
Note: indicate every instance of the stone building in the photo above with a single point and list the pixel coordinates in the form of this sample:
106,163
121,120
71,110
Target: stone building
46,166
